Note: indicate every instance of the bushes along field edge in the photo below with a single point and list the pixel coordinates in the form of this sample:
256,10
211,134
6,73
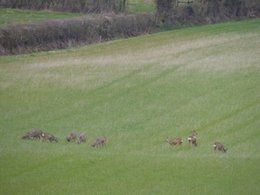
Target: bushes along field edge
58,34
209,11
86,6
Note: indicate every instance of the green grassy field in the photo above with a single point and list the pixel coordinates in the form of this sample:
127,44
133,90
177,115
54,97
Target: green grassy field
16,16
136,92
141,6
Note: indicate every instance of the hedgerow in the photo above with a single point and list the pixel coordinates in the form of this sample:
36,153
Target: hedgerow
57,34
97,6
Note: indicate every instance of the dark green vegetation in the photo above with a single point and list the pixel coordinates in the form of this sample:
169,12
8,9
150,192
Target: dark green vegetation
205,11
136,92
86,6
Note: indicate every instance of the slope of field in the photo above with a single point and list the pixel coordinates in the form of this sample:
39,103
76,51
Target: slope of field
136,92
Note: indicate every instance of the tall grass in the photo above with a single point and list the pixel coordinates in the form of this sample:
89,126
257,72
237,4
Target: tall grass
136,92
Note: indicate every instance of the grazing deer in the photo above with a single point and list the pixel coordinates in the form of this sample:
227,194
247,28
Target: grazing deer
33,134
72,137
49,137
174,141
192,139
100,141
82,138
219,147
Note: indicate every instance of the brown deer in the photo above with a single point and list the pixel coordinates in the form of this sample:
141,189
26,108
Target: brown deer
192,139
72,137
100,141
82,138
174,141
219,147
33,134
48,137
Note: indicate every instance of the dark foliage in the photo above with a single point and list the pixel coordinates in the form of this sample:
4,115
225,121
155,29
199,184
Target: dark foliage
200,11
165,10
87,6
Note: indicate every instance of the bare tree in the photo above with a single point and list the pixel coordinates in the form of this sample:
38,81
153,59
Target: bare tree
165,10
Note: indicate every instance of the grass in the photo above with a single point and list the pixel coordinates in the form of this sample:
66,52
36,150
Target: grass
136,6
136,92
16,16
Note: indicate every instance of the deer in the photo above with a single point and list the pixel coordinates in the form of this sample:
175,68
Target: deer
219,147
72,137
48,137
100,141
33,134
192,139
174,141
82,138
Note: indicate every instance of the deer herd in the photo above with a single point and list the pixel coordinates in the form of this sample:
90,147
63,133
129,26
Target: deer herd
192,140
37,134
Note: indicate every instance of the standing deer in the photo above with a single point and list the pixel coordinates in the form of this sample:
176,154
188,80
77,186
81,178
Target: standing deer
219,147
72,137
82,138
174,141
192,139
100,141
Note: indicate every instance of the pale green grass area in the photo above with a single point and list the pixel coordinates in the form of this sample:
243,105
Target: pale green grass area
136,92
17,16
141,6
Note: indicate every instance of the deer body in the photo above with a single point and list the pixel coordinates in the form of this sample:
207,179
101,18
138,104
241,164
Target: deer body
219,147
49,137
72,137
82,138
192,139
100,141
33,134
174,141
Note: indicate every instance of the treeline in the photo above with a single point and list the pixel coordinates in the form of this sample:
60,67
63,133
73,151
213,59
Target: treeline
168,11
86,6
57,34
